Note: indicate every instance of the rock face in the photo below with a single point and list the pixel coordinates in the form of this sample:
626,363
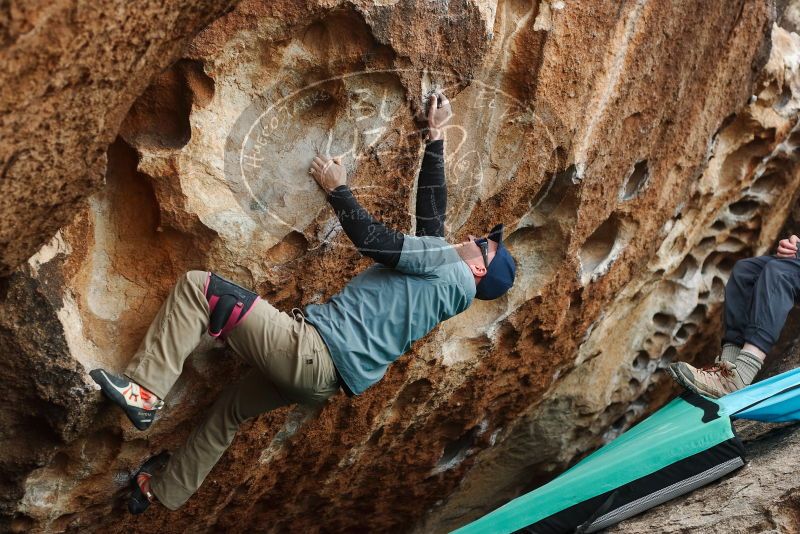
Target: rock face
634,150
69,71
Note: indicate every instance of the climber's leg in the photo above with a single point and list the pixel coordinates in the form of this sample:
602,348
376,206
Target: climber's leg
287,350
188,466
292,364
173,334
721,378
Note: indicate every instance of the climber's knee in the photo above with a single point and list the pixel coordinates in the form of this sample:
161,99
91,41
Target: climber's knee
196,278
228,304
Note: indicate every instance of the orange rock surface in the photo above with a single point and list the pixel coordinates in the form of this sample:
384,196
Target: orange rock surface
634,150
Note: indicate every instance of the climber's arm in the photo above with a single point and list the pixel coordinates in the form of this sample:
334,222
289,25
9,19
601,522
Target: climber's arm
431,185
432,191
371,238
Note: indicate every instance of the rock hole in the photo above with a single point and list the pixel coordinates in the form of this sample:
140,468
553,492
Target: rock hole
59,464
684,333
159,118
62,522
22,523
660,337
743,209
634,386
698,314
785,98
289,248
559,190
725,265
636,181
717,289
641,360
718,225
375,437
768,183
743,235
738,162
540,250
708,241
655,343
456,451
668,357
687,269
601,248
618,425
199,83
664,321
719,262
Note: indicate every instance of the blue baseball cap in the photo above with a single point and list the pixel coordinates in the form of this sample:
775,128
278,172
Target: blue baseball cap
499,276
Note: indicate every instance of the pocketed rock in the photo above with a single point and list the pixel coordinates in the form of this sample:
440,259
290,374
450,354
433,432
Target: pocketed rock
69,72
619,143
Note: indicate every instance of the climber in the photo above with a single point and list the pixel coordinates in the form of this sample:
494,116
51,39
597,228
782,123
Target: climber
758,297
348,343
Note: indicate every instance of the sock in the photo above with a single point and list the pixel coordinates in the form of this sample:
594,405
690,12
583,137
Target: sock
748,365
730,352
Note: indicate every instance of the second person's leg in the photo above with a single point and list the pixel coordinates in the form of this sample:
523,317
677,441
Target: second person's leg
775,294
739,298
719,379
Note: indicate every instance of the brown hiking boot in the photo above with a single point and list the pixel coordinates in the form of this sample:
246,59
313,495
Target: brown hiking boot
712,381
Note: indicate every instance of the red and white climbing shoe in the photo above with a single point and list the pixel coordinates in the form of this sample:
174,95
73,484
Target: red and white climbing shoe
139,404
141,494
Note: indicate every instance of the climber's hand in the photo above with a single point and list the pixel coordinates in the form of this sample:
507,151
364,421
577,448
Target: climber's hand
787,248
439,113
329,173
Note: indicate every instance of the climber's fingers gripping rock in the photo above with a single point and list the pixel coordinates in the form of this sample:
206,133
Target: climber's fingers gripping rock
328,172
439,114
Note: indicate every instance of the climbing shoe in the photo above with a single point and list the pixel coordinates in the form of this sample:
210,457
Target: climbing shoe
141,494
712,381
139,404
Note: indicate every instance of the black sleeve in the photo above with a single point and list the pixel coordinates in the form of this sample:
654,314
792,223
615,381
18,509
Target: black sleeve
432,191
370,237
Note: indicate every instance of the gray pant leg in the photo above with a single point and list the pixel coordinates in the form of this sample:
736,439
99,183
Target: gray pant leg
739,297
775,293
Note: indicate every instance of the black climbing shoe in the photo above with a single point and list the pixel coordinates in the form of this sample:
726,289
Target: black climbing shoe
141,495
139,404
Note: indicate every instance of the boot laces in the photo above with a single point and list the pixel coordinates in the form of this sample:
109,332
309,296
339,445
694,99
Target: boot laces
719,369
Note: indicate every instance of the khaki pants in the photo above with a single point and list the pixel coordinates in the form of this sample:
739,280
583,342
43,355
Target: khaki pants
291,364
